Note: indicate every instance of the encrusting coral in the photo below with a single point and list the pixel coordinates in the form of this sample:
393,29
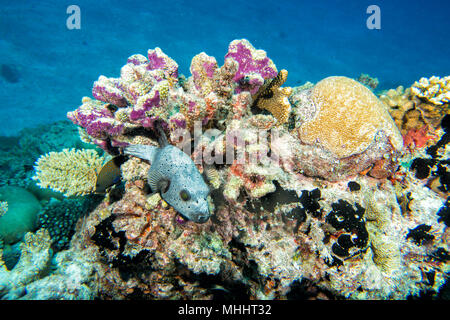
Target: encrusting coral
72,172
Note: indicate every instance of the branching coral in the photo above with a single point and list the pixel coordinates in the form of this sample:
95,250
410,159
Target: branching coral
273,98
33,263
409,112
253,66
202,69
434,89
72,172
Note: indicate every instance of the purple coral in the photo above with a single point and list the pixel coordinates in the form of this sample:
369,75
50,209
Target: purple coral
158,60
98,121
137,59
203,68
139,112
254,66
107,90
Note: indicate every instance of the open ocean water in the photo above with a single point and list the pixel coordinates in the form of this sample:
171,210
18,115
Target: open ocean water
53,67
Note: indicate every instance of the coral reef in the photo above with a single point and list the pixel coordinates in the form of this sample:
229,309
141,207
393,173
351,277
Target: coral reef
417,120
72,172
34,261
355,244
292,207
18,154
253,66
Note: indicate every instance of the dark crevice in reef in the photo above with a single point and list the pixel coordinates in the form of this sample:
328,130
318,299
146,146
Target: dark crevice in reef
422,167
308,203
117,192
220,287
420,234
440,255
353,186
271,200
142,132
107,239
104,234
306,290
444,213
445,124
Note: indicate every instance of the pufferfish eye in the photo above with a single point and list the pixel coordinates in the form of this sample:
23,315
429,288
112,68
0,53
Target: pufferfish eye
184,195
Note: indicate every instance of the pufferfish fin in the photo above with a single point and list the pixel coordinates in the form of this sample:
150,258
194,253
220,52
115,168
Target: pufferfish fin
163,185
157,182
141,151
162,138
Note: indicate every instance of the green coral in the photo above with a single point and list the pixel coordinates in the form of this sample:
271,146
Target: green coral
59,218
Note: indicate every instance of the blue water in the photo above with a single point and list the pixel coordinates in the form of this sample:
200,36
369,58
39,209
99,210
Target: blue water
56,67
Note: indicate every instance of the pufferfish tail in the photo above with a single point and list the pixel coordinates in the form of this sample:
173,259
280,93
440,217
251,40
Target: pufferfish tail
142,151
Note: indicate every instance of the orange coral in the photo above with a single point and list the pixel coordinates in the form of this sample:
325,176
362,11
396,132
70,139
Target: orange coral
240,105
418,138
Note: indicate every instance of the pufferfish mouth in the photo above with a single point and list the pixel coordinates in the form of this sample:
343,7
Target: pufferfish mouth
198,218
201,218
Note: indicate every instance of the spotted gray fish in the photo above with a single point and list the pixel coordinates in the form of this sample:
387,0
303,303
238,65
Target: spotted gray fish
174,175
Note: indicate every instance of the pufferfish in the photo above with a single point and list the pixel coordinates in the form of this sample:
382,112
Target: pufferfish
174,175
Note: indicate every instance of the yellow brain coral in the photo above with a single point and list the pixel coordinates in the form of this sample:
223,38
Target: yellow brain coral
347,119
72,172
